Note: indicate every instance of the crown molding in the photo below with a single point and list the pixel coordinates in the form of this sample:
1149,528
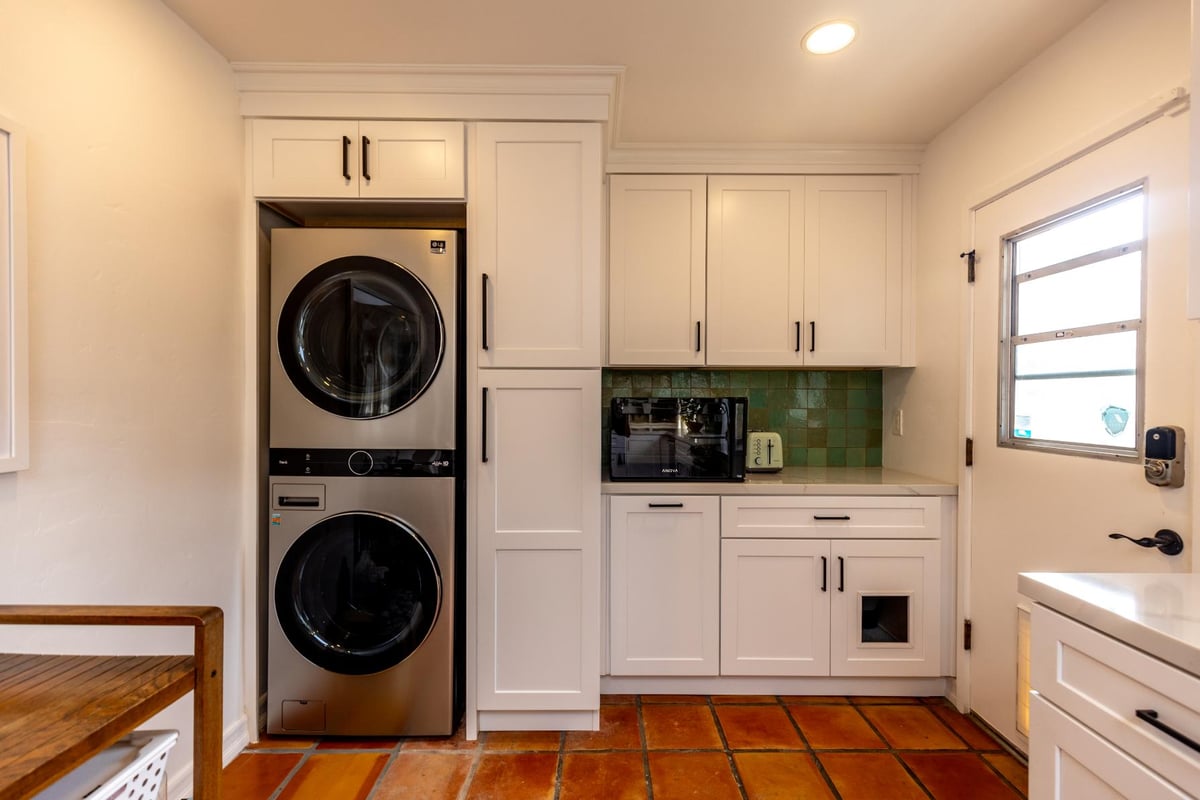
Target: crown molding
806,159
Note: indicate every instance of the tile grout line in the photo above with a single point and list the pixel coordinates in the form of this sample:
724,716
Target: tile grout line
476,757
812,753
641,723
558,767
716,718
293,771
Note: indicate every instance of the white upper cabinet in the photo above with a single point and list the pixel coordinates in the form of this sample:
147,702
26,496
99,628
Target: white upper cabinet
755,271
369,159
535,218
656,269
853,270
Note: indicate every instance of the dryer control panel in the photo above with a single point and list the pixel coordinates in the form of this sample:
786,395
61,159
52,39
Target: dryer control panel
373,463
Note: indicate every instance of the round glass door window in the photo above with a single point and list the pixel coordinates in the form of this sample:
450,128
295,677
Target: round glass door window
361,337
358,593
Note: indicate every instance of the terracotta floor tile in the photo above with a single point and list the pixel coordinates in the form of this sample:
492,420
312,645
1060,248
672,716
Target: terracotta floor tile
758,728
281,743
618,699
912,728
522,740
835,728
1016,772
781,776
958,776
691,699
964,726
429,776
686,727
885,701
358,744
514,776
256,776
870,776
692,776
744,699
611,776
814,699
346,776
456,742
618,731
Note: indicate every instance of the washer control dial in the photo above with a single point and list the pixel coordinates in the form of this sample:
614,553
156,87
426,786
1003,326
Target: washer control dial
360,462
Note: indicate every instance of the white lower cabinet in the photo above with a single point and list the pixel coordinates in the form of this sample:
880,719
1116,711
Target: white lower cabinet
664,603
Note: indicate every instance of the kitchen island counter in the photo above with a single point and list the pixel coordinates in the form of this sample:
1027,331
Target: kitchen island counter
873,481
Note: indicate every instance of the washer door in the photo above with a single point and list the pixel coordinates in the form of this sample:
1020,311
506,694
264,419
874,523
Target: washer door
358,593
361,337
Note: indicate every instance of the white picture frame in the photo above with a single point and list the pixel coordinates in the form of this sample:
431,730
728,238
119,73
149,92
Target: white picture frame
14,319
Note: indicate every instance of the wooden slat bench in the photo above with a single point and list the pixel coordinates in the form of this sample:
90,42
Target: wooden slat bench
56,711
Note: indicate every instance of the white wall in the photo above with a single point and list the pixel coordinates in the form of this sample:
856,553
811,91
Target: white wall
136,326
1116,60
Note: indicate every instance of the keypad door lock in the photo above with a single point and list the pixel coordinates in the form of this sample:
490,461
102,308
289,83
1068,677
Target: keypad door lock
1164,456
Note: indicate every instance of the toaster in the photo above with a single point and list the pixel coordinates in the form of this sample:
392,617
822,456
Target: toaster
764,452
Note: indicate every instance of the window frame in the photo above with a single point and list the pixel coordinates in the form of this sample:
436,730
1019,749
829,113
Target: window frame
14,325
1009,339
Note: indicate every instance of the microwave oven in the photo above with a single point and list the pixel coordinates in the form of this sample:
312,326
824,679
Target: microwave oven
677,439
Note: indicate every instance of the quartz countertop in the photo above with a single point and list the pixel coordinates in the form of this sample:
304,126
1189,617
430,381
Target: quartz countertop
798,480
1158,613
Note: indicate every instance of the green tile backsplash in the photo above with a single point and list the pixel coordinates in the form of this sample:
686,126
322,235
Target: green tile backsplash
825,418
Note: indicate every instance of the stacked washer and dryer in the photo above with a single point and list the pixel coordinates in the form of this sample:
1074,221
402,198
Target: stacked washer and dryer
364,482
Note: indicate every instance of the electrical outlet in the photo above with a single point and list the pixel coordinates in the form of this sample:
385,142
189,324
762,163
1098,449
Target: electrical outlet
898,422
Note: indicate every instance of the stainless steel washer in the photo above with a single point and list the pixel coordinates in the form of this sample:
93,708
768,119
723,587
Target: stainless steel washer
362,592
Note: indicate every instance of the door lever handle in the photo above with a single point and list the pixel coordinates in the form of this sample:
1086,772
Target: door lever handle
1167,541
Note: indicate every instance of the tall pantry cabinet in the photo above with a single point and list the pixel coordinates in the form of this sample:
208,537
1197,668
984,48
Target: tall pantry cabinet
534,336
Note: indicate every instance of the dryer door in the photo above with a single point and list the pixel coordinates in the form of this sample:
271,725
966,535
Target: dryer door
358,593
361,337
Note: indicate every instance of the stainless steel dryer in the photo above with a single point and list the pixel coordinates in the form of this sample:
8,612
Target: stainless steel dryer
362,591
363,335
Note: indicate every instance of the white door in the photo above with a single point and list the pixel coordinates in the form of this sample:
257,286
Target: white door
535,251
1040,511
305,158
665,562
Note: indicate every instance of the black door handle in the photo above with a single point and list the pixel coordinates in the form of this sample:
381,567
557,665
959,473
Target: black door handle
697,336
797,336
665,505
843,517
812,337
366,143
483,426
824,574
483,309
841,574
1150,717
346,157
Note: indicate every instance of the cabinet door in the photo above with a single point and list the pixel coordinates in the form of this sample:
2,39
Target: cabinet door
756,271
853,270
1068,762
886,600
418,160
538,539
535,218
656,270
305,158
665,580
775,607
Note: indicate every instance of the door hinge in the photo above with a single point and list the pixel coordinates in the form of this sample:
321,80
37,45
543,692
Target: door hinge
969,453
970,257
966,634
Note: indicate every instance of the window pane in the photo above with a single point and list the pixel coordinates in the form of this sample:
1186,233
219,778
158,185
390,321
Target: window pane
1105,226
1104,353
1107,291
1099,411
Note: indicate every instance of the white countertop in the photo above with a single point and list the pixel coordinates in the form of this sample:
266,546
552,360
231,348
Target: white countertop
1158,613
798,480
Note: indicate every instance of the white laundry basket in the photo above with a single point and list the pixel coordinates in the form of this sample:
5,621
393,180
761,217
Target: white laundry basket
134,768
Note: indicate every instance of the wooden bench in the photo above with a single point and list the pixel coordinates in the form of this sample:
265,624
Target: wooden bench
56,711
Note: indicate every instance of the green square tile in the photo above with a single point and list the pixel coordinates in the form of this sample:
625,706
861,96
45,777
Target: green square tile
622,383
874,437
718,379
777,379
758,418
818,379
758,398
798,417
875,398
835,437
661,380
835,398
856,380
816,398
837,380
818,418
856,418
874,457
837,417
663,392
874,418
681,379
777,418
816,456
799,398
642,383
856,398
796,457
875,379
700,380
779,398
798,437
606,378
818,437
759,379
835,457
682,393
739,379
798,379
856,457
856,437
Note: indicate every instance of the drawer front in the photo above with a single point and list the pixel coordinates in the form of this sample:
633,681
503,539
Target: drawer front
831,517
1104,683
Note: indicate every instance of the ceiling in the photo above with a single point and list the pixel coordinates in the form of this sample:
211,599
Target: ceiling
697,72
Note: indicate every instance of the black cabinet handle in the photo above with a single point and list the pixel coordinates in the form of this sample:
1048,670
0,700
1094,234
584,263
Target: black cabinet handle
844,517
841,574
665,505
812,337
346,157
1150,717
797,336
824,574
366,143
697,336
483,426
483,310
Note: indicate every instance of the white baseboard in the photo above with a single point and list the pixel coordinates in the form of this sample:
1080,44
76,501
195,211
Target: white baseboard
233,742
901,687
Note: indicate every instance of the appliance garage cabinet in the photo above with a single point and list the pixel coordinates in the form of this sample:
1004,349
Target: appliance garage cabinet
1115,674
760,270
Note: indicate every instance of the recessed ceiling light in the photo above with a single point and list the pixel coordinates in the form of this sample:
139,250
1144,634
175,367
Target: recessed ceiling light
829,37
